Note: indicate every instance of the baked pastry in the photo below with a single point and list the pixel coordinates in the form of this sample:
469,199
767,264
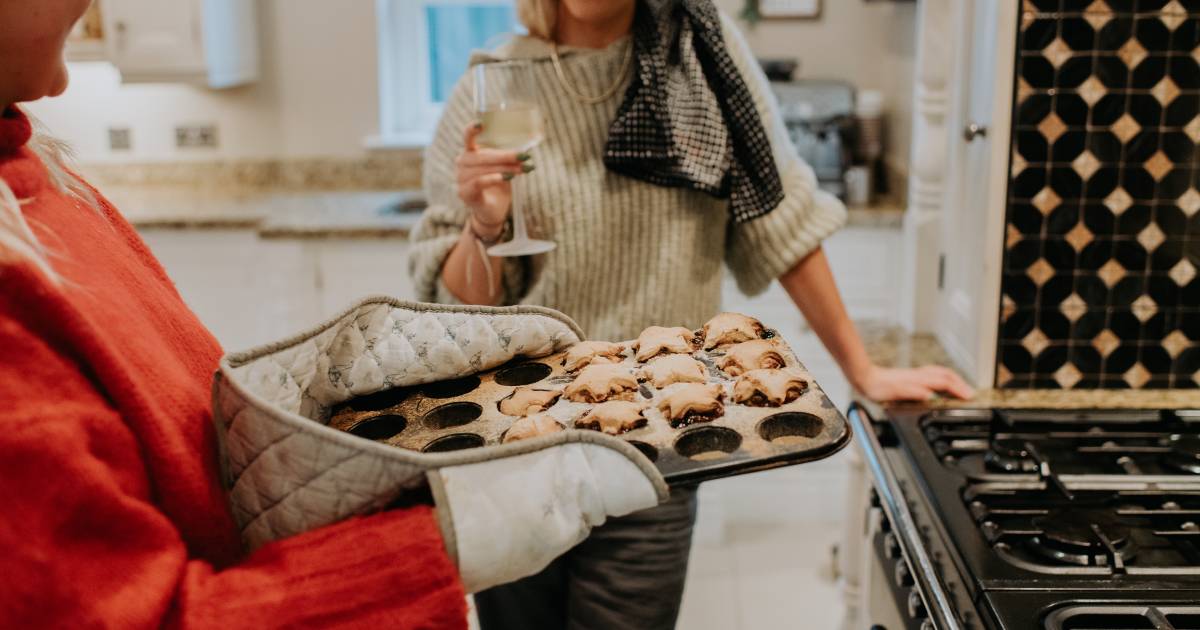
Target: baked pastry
673,368
613,417
692,402
759,354
588,352
601,382
531,427
727,328
658,339
527,400
768,388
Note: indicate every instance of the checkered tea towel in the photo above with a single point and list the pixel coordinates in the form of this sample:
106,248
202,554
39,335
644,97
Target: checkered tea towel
688,120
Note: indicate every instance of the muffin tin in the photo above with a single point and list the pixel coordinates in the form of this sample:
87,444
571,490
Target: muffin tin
464,413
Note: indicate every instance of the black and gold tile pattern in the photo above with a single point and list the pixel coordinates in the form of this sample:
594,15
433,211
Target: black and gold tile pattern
1101,274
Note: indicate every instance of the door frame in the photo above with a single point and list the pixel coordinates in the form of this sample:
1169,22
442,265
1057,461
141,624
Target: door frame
936,180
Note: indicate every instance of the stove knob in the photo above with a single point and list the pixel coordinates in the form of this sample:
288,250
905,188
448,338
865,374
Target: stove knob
902,575
916,607
891,546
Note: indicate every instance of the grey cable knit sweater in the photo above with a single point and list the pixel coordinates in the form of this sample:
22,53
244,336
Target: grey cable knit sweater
630,254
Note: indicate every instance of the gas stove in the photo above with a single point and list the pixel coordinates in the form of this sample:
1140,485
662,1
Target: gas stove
1038,519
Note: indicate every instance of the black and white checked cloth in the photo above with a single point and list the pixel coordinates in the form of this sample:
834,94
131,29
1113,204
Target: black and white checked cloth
688,120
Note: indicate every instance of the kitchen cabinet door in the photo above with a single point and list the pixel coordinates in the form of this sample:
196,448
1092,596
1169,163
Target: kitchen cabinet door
156,36
247,291
200,41
348,269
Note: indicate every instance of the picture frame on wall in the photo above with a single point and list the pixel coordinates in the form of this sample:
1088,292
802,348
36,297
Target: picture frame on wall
789,9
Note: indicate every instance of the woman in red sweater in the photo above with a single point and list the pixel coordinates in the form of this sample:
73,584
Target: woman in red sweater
112,511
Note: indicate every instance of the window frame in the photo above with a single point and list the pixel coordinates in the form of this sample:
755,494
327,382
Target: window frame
408,115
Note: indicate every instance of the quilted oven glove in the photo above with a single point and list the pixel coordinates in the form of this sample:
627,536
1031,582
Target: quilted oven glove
507,518
505,511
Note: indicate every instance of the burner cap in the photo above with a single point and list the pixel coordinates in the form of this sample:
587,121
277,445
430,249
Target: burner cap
1008,455
1185,454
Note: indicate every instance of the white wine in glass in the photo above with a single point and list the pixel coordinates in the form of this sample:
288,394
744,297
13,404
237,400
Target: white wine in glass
505,100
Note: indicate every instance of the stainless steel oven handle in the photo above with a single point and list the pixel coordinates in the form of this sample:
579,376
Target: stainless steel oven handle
892,499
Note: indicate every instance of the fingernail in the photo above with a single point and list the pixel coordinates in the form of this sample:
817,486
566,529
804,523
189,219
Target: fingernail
479,125
521,157
525,168
508,176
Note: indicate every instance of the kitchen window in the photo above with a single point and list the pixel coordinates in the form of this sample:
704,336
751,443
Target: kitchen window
424,46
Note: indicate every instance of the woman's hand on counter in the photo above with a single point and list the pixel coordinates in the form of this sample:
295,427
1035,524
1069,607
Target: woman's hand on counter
919,384
485,182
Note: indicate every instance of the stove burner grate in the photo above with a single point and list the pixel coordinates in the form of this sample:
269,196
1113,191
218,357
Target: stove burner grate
1084,537
1008,455
1184,454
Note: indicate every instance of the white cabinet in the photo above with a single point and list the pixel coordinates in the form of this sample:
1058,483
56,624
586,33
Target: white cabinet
214,42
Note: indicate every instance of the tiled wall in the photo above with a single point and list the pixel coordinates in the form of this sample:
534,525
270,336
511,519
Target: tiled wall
1101,284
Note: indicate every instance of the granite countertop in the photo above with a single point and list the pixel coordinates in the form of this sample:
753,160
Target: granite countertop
284,213
891,346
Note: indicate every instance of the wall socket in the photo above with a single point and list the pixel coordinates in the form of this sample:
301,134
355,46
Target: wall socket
119,139
196,137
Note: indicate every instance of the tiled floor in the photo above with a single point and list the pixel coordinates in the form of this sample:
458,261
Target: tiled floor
761,558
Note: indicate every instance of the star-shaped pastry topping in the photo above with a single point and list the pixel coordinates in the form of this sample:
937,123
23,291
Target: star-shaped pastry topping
768,388
692,402
759,354
531,427
613,417
673,368
601,382
588,352
728,328
527,400
658,339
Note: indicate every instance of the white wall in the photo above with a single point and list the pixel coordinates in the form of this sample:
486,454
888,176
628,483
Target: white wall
317,95
870,44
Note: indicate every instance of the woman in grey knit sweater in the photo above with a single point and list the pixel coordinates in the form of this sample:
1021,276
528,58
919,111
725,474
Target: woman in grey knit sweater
630,254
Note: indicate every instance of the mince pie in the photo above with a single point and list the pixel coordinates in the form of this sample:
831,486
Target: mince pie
727,328
657,340
613,417
768,388
532,426
692,402
600,382
673,368
585,353
527,400
759,354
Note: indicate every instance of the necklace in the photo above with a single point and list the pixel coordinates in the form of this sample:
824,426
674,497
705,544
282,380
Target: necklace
578,94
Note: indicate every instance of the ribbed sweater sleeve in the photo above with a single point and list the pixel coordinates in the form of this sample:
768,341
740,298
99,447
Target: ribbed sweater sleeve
761,250
85,546
442,223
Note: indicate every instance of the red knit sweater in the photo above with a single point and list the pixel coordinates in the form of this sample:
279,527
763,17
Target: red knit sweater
112,515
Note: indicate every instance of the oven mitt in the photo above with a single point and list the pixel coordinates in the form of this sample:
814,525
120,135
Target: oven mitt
508,518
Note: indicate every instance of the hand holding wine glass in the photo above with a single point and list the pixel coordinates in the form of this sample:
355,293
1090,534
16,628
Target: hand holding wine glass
485,182
505,99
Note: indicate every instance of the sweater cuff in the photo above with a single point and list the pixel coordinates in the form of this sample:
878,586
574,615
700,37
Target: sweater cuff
765,248
348,570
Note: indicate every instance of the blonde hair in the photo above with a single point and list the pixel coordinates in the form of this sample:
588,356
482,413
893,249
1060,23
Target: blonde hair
18,243
538,16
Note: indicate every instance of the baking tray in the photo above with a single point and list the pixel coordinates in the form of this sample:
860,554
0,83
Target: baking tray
463,413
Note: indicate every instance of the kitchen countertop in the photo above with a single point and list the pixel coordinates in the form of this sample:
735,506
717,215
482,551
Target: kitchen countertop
891,346
318,214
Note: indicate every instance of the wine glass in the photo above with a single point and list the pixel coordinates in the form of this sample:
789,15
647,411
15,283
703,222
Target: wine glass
505,99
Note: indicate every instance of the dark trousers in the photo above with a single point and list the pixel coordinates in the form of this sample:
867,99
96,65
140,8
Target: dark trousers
628,574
